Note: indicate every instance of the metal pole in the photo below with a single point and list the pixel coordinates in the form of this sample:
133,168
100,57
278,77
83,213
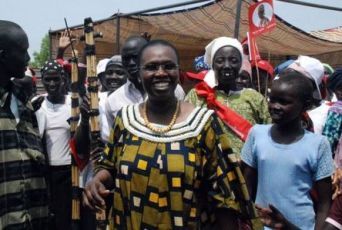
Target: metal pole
145,11
312,5
237,19
165,7
118,34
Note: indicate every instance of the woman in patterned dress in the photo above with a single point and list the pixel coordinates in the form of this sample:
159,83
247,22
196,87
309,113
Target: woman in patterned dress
169,163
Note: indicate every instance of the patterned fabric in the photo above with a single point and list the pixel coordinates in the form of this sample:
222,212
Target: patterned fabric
333,126
23,194
248,103
175,180
52,65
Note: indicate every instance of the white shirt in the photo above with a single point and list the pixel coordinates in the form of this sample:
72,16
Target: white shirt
14,107
53,121
102,117
129,95
319,116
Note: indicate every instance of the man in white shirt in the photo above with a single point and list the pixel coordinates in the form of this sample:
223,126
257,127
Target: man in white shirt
53,116
132,91
114,75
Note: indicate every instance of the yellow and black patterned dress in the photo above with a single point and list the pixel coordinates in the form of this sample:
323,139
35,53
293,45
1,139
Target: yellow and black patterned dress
176,180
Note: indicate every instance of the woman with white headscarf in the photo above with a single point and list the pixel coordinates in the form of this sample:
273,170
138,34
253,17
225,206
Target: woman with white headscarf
238,109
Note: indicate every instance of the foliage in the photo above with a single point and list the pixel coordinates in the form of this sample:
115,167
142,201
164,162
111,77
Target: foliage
39,58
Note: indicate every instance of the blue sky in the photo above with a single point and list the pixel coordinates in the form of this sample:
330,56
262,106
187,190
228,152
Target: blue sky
38,16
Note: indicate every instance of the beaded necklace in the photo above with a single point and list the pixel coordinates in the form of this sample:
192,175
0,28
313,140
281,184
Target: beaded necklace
160,130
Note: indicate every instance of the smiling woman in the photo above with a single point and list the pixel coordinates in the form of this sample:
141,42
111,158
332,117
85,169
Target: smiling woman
159,71
170,163
239,109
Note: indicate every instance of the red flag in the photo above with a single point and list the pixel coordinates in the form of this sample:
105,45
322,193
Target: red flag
254,54
261,17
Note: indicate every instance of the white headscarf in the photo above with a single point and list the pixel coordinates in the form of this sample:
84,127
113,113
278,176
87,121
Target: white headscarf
210,51
313,69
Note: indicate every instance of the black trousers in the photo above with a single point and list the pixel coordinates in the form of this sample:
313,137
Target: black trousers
60,196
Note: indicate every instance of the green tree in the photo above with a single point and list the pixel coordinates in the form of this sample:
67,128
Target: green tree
39,58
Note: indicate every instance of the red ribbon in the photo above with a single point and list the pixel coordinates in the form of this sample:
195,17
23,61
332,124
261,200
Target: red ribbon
81,163
232,119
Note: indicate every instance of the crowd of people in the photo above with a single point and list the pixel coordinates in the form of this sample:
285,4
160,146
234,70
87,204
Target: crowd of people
233,144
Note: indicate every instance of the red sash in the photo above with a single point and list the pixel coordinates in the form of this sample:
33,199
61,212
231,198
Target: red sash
232,119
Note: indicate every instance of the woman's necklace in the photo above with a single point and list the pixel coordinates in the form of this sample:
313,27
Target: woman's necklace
160,130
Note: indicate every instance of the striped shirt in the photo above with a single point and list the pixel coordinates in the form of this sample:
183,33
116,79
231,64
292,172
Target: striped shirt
23,193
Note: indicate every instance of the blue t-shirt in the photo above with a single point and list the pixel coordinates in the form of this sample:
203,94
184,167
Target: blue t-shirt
286,172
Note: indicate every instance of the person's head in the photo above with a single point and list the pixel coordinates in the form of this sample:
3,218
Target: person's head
129,53
328,70
244,80
14,57
290,96
100,70
335,83
261,11
159,69
199,64
265,71
115,74
53,78
224,55
282,66
312,69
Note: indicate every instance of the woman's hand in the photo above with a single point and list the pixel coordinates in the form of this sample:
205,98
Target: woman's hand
273,218
93,195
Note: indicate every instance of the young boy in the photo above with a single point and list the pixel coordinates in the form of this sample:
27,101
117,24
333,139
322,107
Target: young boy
282,161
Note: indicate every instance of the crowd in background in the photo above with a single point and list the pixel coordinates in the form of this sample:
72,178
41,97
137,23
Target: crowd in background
231,144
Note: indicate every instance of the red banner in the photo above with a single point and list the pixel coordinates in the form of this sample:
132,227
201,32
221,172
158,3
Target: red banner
261,17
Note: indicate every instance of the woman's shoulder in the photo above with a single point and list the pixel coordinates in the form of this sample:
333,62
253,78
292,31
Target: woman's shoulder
193,98
251,94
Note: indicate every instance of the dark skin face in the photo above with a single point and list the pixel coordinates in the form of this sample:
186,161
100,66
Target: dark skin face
14,57
54,85
285,105
114,77
243,81
338,92
129,54
226,65
159,72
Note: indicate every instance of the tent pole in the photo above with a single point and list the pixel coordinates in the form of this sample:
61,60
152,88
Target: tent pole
165,7
118,34
237,19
